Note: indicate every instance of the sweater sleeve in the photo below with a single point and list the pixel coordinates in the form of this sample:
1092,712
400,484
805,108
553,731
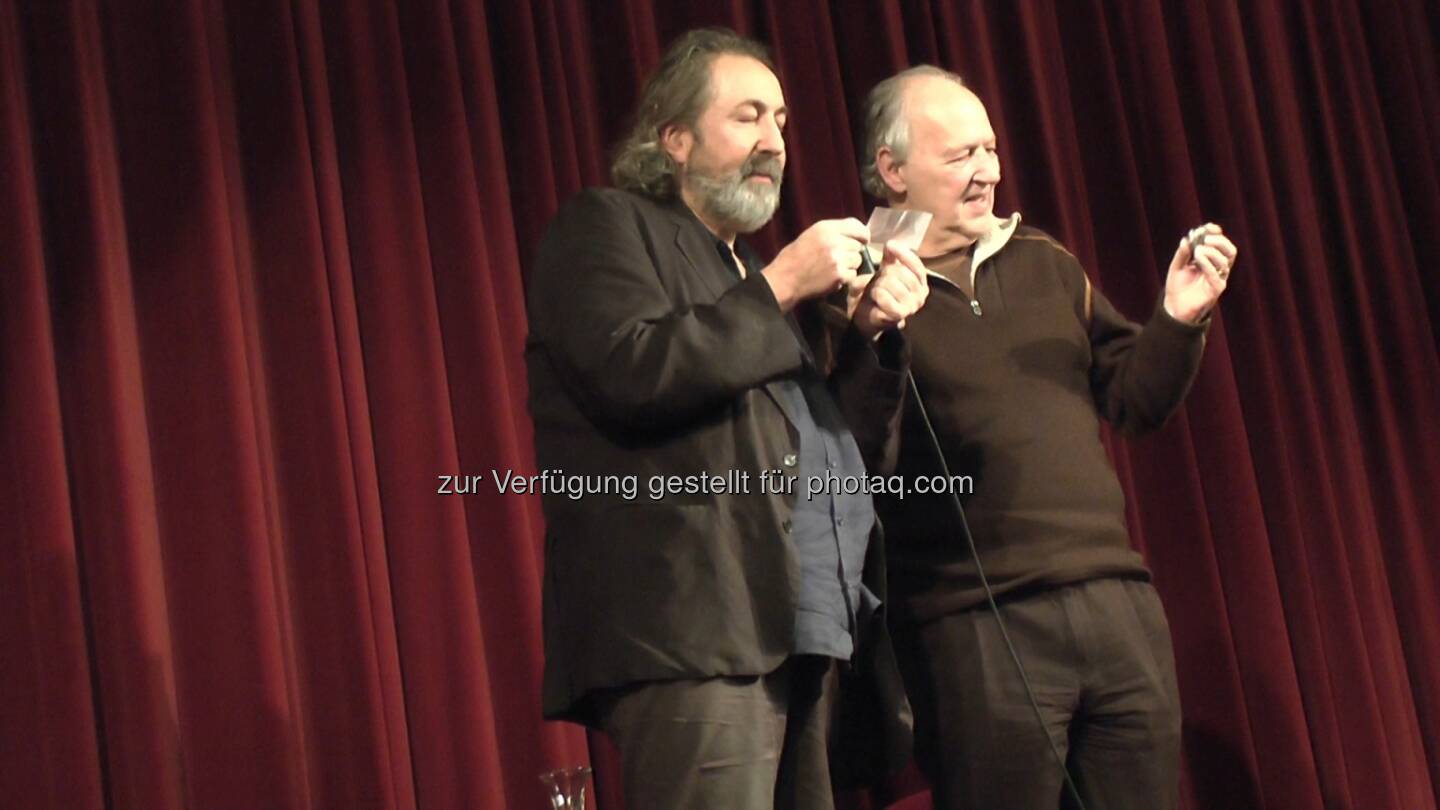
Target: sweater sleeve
1140,375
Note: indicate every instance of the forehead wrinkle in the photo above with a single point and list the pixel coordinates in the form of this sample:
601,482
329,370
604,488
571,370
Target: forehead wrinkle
949,129
741,69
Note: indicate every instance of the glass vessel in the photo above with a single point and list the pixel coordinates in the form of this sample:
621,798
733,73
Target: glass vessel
566,787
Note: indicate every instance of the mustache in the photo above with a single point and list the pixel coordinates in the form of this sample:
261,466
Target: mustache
763,164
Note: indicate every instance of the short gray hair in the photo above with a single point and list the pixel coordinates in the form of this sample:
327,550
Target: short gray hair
677,93
885,125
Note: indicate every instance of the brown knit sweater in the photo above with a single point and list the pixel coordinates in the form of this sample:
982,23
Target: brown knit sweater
1015,394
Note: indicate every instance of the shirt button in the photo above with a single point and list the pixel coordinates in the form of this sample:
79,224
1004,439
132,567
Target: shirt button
840,522
790,460
786,526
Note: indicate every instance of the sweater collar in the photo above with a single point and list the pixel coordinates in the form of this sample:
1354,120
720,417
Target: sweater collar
987,245
995,238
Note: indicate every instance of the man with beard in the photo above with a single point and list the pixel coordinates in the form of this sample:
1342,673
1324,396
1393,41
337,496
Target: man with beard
1018,357
700,629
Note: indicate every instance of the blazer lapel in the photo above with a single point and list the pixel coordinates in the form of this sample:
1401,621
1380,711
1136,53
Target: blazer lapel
698,248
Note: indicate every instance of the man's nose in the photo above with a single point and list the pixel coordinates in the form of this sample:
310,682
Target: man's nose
989,170
771,138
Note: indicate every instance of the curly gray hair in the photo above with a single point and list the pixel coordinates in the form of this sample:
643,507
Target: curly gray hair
677,94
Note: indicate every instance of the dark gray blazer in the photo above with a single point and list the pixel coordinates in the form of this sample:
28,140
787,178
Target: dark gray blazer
646,359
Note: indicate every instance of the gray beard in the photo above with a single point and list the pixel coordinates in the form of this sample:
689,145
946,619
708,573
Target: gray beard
733,201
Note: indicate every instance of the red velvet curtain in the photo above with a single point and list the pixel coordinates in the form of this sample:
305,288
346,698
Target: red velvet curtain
261,283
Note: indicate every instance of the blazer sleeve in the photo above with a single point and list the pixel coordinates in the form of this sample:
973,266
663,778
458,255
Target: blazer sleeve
621,346
867,379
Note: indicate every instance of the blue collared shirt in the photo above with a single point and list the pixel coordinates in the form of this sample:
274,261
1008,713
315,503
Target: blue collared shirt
830,531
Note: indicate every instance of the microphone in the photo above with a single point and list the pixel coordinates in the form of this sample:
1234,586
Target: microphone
905,226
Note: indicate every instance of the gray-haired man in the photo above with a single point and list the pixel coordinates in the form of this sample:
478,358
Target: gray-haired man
1018,356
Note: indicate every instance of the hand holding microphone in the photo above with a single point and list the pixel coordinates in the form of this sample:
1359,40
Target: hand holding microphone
889,296
822,260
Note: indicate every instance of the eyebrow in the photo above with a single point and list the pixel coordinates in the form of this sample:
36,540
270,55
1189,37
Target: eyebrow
761,106
955,150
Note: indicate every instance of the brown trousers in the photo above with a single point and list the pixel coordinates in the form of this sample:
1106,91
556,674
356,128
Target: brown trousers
726,743
1099,657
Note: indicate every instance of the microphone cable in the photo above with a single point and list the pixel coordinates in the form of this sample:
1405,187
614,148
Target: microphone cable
868,268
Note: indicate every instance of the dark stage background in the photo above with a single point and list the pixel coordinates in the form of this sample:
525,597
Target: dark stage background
261,273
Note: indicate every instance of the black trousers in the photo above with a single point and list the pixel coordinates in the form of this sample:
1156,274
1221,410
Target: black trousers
1099,657
726,743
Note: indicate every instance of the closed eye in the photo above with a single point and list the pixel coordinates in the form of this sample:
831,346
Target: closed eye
966,155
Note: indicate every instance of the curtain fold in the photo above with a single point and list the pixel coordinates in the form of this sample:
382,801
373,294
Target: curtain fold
262,286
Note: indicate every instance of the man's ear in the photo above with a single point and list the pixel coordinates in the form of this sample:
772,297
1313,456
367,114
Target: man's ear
889,169
677,140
